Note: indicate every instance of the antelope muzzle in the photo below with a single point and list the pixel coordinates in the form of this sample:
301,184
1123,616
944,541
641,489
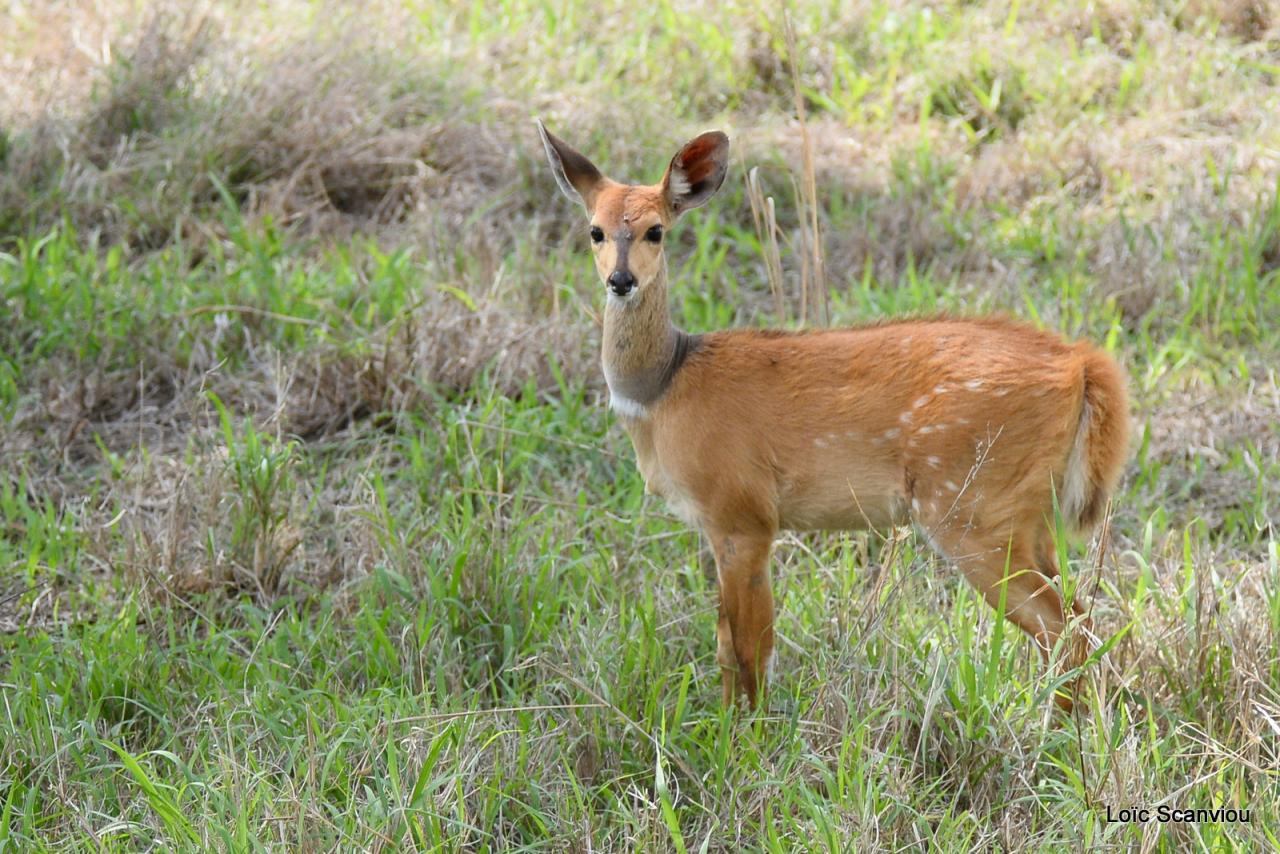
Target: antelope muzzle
622,282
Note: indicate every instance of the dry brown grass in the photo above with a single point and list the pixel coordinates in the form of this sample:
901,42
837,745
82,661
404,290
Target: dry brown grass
334,128
52,51
335,132
1193,435
125,114
1141,138
436,353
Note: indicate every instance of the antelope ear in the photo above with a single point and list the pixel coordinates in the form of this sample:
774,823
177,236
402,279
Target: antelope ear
696,172
577,177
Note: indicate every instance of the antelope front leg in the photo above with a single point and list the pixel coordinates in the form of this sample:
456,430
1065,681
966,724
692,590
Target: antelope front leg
744,634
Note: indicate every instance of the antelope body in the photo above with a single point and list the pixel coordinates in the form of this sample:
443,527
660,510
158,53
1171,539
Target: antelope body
966,428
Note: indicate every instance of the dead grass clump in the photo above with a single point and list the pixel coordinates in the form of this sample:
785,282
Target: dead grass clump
897,212
49,50
1207,448
1014,173
443,348
208,503
77,166
73,405
1246,20
78,412
1137,264
1249,20
12,612
328,134
1201,645
1114,23
200,523
904,229
342,139
1156,254
143,93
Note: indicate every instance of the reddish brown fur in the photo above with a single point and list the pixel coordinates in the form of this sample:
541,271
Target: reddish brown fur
964,427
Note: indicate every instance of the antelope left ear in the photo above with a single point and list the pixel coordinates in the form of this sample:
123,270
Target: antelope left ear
576,176
696,172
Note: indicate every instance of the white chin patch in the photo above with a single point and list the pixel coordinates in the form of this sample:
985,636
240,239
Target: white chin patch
626,406
617,300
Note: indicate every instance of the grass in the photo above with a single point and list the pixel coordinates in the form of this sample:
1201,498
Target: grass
315,533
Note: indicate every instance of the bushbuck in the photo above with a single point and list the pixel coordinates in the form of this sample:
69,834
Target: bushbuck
967,428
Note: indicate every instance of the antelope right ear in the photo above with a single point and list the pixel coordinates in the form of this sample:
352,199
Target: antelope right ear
696,172
577,177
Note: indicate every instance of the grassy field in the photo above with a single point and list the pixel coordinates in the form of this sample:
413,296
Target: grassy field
315,532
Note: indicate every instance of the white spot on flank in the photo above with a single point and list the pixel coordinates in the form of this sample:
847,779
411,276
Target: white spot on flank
934,462
915,505
892,433
920,401
962,421
974,385
926,430
821,443
951,485
941,388
850,434
626,406
1001,392
905,418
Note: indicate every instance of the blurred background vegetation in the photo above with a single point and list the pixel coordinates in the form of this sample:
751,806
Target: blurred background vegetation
314,531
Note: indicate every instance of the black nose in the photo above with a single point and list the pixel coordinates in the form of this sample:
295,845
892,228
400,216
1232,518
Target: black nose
621,282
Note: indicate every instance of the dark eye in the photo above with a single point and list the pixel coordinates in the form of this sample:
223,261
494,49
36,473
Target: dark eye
654,234
597,234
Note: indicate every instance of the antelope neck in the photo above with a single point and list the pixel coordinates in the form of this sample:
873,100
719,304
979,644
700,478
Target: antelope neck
642,348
